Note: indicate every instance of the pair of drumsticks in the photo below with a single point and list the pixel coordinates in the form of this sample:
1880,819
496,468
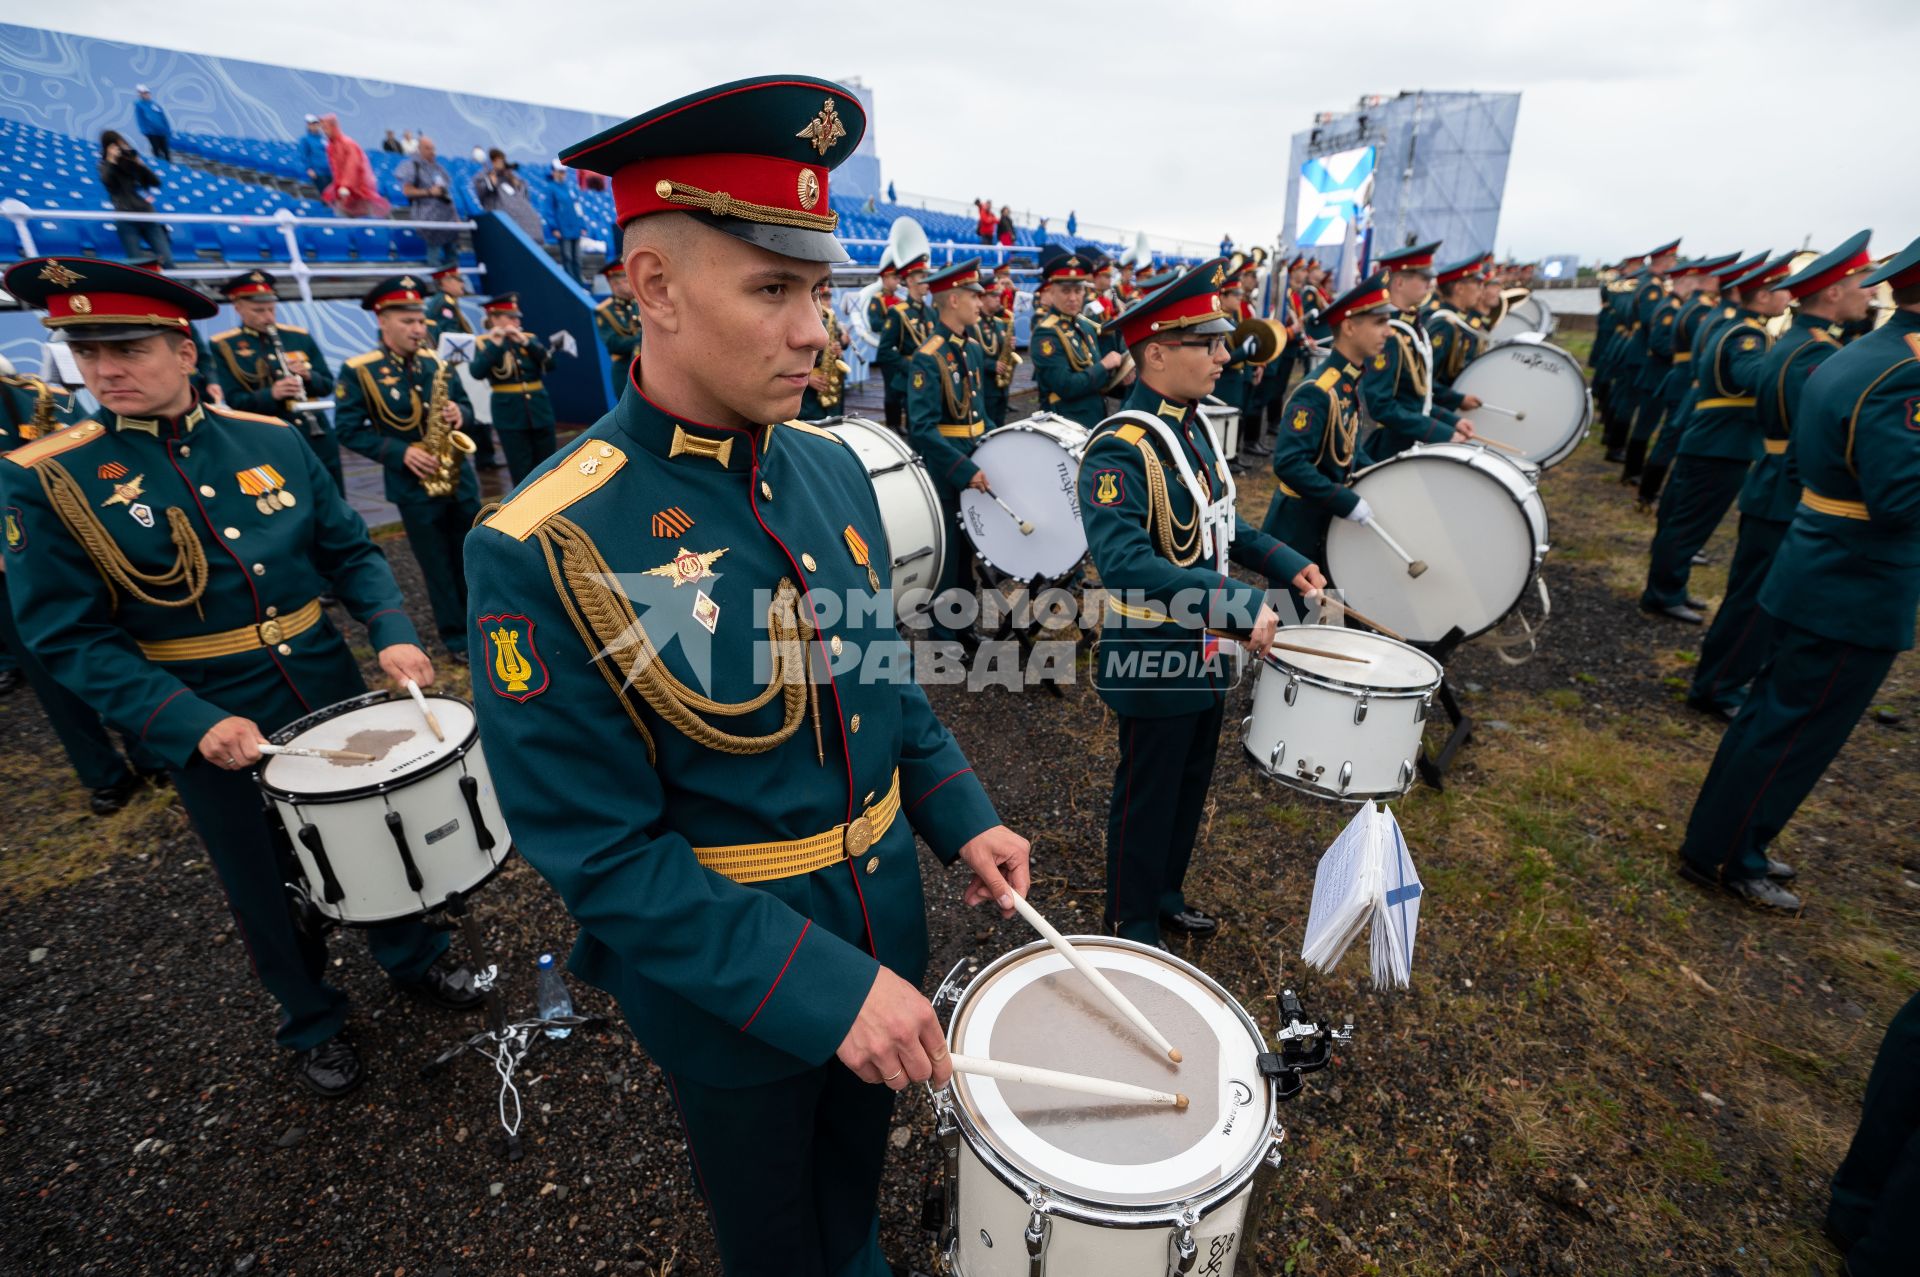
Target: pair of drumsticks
354,755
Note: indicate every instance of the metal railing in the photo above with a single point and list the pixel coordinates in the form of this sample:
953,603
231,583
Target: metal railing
1171,245
284,221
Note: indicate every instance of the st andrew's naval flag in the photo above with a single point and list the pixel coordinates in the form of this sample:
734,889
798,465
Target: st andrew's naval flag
1334,193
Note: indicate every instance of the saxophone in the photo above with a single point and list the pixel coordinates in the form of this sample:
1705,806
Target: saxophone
1008,358
833,369
44,421
446,444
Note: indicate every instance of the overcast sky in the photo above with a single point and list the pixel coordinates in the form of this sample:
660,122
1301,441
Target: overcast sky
1737,123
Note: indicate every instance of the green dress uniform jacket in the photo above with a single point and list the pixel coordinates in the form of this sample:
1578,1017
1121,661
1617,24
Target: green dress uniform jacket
1631,361
245,368
1162,589
1706,322
1395,389
907,326
1065,350
1315,455
1454,344
617,320
444,315
947,407
382,409
1724,422
994,336
1663,332
627,786
512,372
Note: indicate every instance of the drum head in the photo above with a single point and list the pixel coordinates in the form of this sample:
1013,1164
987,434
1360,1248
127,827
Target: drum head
1033,1008
392,731
1038,478
1542,381
1469,528
1390,666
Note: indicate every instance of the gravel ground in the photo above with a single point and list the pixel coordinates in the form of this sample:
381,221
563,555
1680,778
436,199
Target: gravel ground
149,1125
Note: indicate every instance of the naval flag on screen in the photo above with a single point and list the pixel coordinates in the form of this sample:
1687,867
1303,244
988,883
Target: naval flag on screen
1332,189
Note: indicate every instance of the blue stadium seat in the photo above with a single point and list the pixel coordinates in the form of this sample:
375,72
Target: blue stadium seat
326,243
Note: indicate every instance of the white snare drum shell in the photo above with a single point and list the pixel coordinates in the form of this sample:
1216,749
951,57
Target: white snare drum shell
1033,466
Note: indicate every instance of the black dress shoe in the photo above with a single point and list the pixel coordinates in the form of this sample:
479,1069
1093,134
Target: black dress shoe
450,990
1700,560
1762,892
9,680
108,799
1780,870
1616,455
1189,922
1698,605
331,1069
1677,612
1713,709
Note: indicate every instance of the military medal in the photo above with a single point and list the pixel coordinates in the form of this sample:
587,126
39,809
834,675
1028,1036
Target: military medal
857,547
706,611
142,513
266,487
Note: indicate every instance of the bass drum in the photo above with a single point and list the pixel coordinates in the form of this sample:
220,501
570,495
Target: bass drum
1527,315
1034,467
909,508
1535,399
1472,514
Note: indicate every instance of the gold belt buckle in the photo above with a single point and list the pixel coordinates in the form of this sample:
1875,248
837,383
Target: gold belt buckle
271,634
859,836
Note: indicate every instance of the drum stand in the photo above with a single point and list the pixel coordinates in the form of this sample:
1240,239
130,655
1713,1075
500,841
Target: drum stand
988,577
505,1044
1434,767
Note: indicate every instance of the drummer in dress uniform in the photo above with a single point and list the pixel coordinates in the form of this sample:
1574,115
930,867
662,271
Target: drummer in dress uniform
248,366
1723,438
1070,370
1454,337
1155,498
735,838
994,333
617,320
384,398
1829,293
1319,447
1841,593
947,407
1701,284
33,409
512,361
445,314
909,322
827,383
1637,373
168,568
1397,385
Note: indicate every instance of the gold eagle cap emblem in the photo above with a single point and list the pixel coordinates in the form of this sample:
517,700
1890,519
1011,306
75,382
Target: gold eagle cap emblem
688,566
824,129
58,275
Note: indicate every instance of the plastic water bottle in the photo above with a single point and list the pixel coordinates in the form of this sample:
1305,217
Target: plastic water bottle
550,995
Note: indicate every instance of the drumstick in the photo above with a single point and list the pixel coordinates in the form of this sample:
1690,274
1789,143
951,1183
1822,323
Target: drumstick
306,751
420,699
1026,529
1361,617
1520,415
1495,443
1414,566
1314,651
1114,997
1077,1082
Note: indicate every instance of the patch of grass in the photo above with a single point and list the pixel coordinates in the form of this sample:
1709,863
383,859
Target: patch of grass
1565,698
51,839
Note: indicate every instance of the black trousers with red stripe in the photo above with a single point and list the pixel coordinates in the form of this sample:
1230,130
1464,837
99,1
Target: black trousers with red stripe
1159,795
1802,709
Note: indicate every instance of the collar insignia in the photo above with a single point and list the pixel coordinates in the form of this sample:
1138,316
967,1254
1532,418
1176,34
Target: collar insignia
688,566
1171,410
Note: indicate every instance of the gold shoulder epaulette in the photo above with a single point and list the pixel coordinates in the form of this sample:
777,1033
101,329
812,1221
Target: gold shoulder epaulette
53,445
807,427
222,410
1050,321
231,332
1328,379
361,361
931,346
555,490
1130,433
293,328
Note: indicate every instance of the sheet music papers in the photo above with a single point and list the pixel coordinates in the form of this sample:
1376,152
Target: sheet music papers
563,342
1366,878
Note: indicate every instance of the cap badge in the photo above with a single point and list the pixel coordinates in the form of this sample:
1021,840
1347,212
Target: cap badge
809,189
406,281
824,129
59,276
82,304
1219,276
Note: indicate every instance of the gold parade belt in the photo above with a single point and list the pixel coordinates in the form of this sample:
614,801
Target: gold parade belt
247,638
1774,447
767,861
1731,401
957,430
1683,356
519,388
1833,505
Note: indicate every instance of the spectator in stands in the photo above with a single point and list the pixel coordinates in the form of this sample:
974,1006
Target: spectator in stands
429,190
391,144
124,174
500,189
1004,229
1073,222
313,155
409,144
987,224
563,218
355,191
1226,245
152,120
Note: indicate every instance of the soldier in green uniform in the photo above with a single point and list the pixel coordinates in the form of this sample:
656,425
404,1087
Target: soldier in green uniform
1318,447
908,323
445,314
1616,396
1157,504
384,398
1876,1192
1453,336
1070,370
512,362
827,384
168,571
1723,438
266,368
734,836
1828,294
1236,381
1397,386
32,409
617,320
994,333
1662,335
1701,282
876,318
1841,593
1631,378
1612,284
947,409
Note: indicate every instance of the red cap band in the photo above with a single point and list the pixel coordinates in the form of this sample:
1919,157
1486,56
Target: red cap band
112,308
1181,314
757,188
1807,287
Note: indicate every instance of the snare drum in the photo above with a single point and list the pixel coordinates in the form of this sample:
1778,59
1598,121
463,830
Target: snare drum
398,836
1537,379
909,508
1226,425
1472,514
1033,466
1335,729
1044,1181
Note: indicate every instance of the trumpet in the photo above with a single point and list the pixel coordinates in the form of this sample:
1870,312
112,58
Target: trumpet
284,361
446,444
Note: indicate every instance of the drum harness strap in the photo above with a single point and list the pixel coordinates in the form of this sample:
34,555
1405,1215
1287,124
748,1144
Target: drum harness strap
1421,366
1215,518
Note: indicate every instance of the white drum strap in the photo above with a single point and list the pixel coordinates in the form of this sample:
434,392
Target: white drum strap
1216,517
1423,349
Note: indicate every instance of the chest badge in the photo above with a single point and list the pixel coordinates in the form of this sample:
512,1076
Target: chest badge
127,493
672,522
514,668
706,611
688,566
112,470
266,487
